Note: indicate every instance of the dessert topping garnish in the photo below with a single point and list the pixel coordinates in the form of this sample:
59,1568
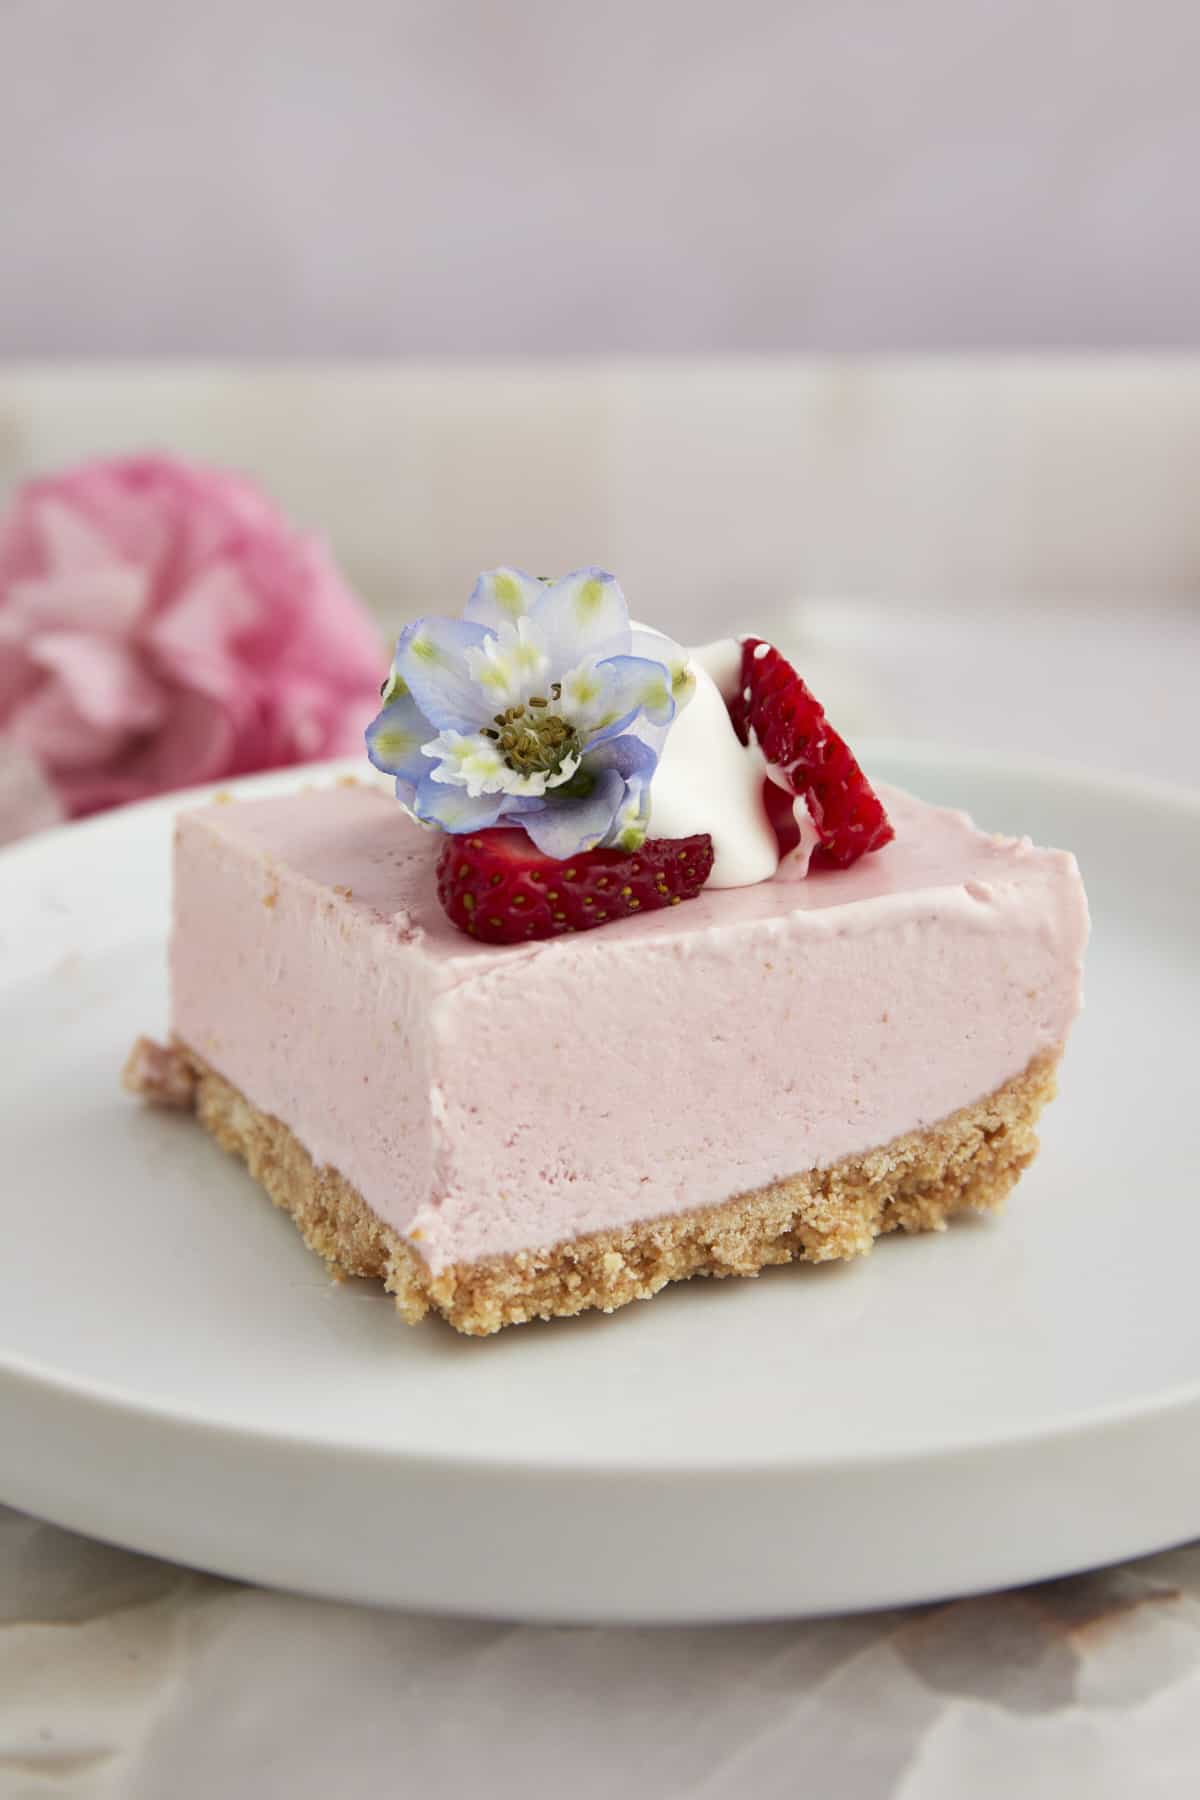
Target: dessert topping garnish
497,887
808,757
530,730
542,706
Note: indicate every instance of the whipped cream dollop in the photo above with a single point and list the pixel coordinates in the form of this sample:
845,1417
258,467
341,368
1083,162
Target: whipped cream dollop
708,780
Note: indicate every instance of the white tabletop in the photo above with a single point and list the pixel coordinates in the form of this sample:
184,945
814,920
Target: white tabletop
124,1676
120,1676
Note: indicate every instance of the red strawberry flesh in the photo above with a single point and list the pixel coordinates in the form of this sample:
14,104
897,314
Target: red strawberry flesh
791,729
498,888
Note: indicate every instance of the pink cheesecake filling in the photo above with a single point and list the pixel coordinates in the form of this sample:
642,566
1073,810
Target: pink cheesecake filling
484,1100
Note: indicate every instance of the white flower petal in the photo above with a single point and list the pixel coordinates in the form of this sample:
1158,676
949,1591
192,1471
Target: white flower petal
467,760
502,596
584,699
509,666
564,771
472,761
582,615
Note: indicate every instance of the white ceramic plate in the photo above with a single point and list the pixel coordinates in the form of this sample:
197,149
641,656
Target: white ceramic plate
1012,1400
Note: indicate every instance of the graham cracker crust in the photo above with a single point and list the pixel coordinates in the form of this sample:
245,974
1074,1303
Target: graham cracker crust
916,1183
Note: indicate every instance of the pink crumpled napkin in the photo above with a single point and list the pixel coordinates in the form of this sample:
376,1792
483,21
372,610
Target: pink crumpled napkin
163,625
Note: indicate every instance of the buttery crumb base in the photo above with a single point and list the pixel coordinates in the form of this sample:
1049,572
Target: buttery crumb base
968,1161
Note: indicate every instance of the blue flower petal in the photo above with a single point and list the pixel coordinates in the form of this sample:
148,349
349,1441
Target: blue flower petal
629,756
580,615
440,803
573,826
431,658
394,738
453,808
653,737
600,699
632,818
637,685
635,761
659,648
503,595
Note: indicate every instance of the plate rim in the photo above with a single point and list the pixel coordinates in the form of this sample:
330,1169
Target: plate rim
1089,1423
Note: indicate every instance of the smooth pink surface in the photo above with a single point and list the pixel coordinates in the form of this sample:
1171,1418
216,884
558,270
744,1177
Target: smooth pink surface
484,1100
162,624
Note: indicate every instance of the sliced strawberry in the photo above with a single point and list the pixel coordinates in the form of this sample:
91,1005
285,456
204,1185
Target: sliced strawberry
793,733
780,805
495,886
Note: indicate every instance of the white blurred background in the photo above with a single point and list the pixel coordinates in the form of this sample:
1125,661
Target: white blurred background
383,177
645,284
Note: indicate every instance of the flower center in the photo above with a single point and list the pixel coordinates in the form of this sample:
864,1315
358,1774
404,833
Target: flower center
532,739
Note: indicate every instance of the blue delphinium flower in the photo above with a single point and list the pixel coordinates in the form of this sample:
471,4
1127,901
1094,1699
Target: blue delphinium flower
541,707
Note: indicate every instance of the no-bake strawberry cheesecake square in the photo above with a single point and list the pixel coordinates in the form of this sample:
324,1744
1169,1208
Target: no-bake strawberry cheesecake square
640,980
